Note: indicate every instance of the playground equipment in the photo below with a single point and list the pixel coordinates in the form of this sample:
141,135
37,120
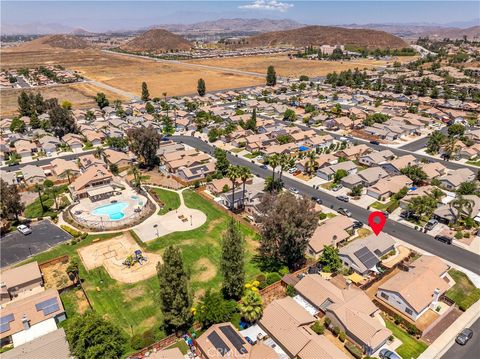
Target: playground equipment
136,257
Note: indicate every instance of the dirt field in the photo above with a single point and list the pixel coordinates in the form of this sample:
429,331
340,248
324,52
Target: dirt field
80,95
55,275
295,67
111,254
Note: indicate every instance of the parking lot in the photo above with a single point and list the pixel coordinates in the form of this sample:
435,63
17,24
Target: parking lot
16,247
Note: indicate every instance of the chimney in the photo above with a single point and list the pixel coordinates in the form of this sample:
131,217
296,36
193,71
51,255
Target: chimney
349,283
334,241
25,322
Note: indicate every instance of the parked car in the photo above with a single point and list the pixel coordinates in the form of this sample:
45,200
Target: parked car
259,158
345,212
292,170
24,229
357,224
337,187
265,167
444,239
388,354
318,200
375,142
431,224
464,336
343,198
408,215
294,190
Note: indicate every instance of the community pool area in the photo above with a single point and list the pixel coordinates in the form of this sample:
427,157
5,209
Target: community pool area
113,210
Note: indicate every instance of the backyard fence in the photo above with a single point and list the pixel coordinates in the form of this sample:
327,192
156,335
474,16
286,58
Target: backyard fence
62,259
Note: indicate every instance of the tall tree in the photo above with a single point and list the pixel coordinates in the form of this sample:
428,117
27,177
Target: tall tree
90,336
101,100
330,259
232,174
415,173
144,142
286,223
271,76
244,174
175,296
201,87
61,120
251,124
145,93
10,200
222,164
39,189
213,309
232,262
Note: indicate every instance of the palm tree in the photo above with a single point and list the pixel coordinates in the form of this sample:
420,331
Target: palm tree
311,163
68,172
436,193
244,173
251,306
232,174
273,161
463,207
285,161
98,152
451,148
38,188
137,178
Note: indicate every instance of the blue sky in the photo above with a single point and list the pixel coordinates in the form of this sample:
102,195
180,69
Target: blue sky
118,15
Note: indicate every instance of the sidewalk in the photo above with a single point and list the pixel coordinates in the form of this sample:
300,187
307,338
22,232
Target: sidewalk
447,338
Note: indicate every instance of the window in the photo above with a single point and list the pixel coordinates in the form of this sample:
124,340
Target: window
408,311
384,296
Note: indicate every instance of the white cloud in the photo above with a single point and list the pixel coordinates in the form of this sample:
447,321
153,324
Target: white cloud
267,5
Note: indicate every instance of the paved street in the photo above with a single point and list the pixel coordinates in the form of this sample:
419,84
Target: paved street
16,247
454,254
421,143
469,351
46,160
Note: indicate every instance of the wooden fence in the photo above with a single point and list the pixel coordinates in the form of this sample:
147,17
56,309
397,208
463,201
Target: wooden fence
62,259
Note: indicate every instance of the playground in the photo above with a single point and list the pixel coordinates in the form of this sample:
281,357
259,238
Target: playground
122,258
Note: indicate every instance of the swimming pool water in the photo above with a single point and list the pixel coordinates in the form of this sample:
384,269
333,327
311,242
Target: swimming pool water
113,210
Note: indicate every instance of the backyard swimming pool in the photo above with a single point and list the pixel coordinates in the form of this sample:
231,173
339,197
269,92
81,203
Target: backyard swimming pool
113,210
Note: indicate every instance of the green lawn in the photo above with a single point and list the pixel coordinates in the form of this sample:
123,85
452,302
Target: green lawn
134,307
171,200
380,206
34,209
410,348
463,293
474,163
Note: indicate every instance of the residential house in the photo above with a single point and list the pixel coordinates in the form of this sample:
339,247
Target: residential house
196,172
48,346
95,183
217,186
20,282
31,317
331,232
224,340
415,291
448,214
395,166
376,158
25,148
117,158
288,324
434,170
94,137
364,254
452,179
365,178
328,173
75,142
353,152
386,187
87,161
49,144
349,308
320,161
413,193
65,169
33,175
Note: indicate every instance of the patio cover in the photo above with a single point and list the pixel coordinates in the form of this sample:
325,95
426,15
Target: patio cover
355,278
100,190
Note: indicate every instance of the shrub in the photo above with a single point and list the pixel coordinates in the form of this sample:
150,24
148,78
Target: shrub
411,329
283,271
327,321
318,328
466,235
322,216
342,336
84,235
273,277
397,320
354,350
459,235
290,291
71,231
336,331
262,279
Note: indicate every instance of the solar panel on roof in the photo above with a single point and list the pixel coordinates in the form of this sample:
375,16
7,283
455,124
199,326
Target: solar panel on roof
51,309
234,338
5,322
46,303
218,343
366,257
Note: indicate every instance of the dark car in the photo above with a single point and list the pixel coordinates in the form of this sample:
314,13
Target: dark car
265,167
375,142
343,198
431,224
388,354
316,199
444,239
357,224
408,215
464,336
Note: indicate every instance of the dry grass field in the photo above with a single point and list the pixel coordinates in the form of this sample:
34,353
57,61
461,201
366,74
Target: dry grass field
80,95
295,67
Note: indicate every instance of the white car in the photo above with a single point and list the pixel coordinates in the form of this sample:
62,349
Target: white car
259,158
24,229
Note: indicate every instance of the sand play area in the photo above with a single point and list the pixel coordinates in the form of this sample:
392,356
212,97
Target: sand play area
112,253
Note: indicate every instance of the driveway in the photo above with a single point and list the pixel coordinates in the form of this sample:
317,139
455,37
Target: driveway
16,247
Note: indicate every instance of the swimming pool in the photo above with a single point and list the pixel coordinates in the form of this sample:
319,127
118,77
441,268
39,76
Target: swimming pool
113,210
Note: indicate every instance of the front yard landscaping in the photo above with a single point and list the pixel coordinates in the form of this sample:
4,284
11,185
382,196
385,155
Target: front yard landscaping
35,210
410,348
463,293
169,200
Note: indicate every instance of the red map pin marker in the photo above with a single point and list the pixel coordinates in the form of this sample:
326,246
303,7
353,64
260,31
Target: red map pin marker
377,221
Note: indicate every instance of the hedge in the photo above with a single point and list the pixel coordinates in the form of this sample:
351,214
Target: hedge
73,232
354,350
318,328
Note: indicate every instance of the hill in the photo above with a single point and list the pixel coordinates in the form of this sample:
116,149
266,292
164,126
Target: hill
472,33
69,42
327,35
156,41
